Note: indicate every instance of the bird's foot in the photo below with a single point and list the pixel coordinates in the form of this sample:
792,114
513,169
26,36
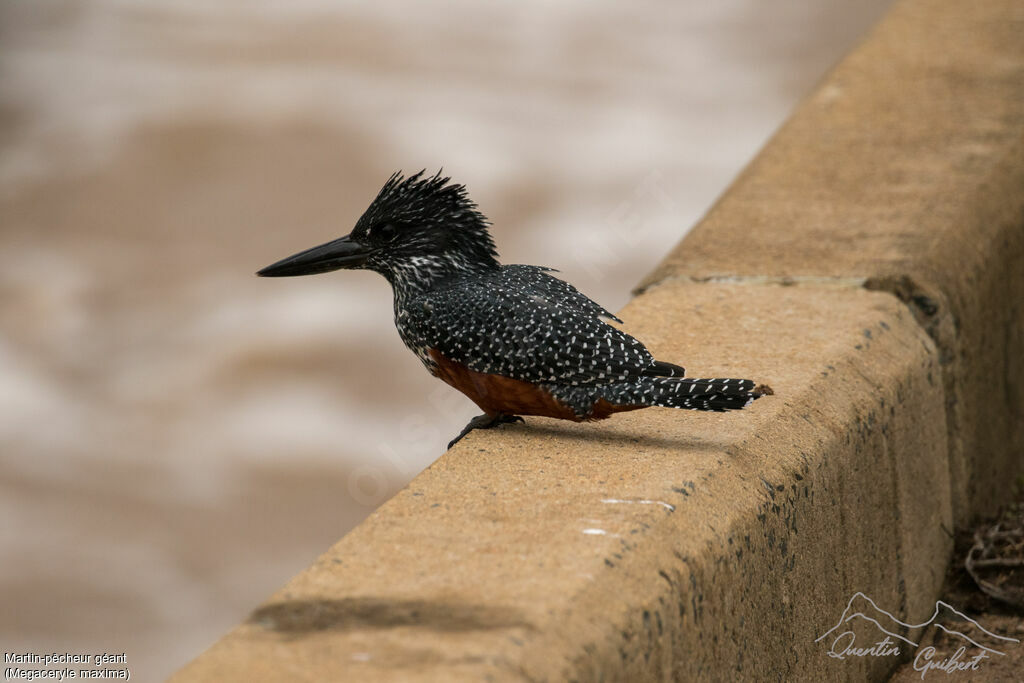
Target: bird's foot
485,422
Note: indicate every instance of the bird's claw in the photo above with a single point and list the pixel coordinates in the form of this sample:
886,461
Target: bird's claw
485,422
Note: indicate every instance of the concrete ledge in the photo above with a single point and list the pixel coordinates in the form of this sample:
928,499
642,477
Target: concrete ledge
905,170
659,543
868,265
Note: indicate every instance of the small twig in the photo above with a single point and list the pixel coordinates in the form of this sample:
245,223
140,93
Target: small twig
1000,562
985,555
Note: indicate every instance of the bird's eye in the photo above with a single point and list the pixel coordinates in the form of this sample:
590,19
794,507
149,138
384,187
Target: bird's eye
386,232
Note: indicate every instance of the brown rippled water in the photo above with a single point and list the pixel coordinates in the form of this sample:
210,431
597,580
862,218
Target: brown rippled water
178,437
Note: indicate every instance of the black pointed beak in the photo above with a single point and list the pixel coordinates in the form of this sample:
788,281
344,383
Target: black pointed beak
343,252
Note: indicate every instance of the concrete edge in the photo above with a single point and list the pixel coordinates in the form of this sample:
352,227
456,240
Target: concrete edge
903,171
659,543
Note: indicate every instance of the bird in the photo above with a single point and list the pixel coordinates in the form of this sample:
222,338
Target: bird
513,338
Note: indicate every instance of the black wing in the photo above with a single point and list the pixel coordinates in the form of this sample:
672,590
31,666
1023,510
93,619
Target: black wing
558,292
529,326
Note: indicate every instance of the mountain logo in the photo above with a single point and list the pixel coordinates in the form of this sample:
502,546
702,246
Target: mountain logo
862,615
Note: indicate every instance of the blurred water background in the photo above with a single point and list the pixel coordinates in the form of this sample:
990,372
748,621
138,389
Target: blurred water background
178,437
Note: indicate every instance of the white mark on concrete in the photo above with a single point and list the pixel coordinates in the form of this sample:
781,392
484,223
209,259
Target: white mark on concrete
595,532
667,506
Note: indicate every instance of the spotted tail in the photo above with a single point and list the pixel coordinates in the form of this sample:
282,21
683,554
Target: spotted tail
689,393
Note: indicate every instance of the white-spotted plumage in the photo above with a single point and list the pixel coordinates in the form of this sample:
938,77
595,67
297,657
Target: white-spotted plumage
519,321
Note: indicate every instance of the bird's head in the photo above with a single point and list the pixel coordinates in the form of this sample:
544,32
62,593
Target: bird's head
418,229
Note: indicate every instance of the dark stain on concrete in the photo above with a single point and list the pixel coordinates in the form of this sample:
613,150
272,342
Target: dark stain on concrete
296,617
